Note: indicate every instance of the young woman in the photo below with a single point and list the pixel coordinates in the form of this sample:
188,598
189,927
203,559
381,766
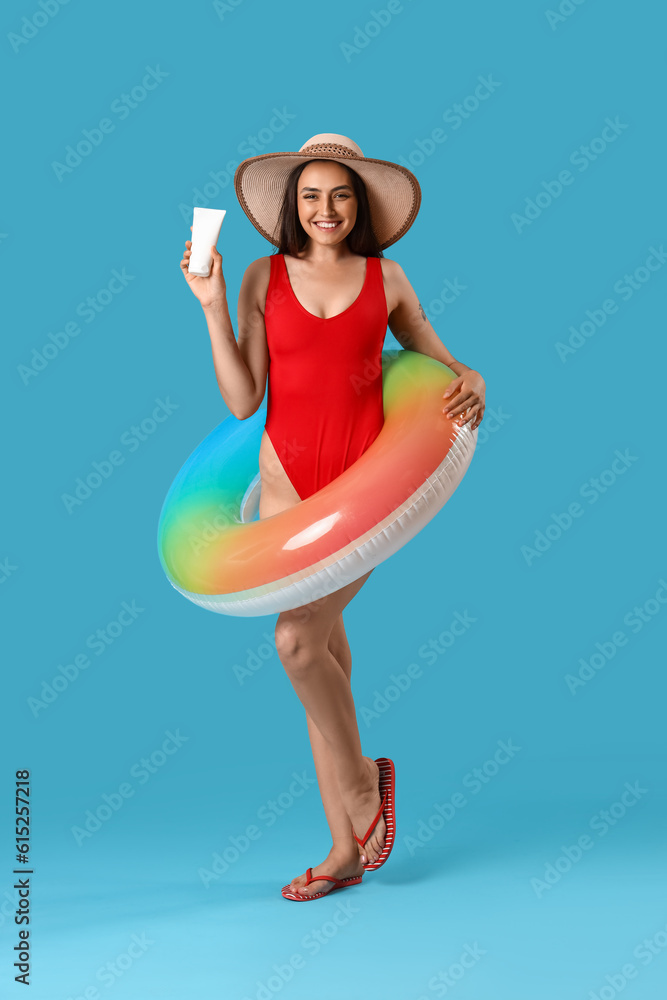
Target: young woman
313,318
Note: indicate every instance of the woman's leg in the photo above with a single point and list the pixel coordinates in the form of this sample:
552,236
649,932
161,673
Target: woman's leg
323,687
337,818
343,859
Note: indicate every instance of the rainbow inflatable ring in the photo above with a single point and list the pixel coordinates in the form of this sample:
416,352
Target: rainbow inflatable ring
216,551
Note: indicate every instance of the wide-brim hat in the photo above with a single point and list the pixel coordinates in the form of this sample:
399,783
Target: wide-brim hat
394,193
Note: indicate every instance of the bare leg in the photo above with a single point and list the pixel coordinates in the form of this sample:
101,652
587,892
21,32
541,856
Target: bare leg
318,627
343,860
334,809
323,687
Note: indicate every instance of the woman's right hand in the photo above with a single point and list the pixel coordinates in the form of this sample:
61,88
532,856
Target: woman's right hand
209,290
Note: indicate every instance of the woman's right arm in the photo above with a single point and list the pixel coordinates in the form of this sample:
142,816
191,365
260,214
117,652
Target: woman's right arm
240,368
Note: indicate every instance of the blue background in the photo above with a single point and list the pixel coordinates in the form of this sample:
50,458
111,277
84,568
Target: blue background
551,427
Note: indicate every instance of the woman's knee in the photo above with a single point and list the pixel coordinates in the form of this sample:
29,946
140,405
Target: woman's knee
297,648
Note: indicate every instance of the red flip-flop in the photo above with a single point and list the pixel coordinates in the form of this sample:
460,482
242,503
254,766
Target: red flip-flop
387,784
341,883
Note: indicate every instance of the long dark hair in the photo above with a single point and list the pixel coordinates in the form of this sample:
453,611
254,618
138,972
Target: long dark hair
293,236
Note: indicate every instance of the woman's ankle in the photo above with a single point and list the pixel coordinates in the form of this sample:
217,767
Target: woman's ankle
344,849
366,781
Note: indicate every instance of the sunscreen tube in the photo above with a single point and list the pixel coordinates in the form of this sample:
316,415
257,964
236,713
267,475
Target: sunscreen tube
206,223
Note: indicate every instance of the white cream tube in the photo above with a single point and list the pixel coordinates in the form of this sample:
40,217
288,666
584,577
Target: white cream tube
206,223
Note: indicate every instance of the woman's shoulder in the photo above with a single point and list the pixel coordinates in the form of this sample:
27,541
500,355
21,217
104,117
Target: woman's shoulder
394,279
258,271
390,267
261,263
392,272
255,284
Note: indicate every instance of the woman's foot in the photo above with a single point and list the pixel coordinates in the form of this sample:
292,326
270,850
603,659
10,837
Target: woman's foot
340,863
362,807
346,861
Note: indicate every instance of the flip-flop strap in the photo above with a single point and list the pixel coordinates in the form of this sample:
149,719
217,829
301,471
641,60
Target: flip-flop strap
328,878
373,824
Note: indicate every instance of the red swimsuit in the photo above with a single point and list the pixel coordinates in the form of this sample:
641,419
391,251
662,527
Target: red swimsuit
324,404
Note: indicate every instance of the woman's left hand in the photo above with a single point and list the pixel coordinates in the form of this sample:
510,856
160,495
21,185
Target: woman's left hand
468,404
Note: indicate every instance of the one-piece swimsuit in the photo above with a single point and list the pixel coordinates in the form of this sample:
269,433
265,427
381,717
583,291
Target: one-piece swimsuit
324,402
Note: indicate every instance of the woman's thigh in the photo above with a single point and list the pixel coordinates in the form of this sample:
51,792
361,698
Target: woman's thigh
277,492
313,623
321,620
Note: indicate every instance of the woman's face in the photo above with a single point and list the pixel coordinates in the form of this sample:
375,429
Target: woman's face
325,195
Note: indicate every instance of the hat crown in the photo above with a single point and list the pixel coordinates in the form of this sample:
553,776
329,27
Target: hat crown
331,144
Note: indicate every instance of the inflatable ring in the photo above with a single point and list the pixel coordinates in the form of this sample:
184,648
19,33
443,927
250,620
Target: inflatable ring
217,552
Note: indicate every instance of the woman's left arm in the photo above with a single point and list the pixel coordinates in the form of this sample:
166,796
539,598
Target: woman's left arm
407,321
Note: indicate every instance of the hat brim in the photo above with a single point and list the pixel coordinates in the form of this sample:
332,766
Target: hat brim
394,193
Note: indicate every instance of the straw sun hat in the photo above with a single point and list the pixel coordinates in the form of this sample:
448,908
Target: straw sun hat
393,191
